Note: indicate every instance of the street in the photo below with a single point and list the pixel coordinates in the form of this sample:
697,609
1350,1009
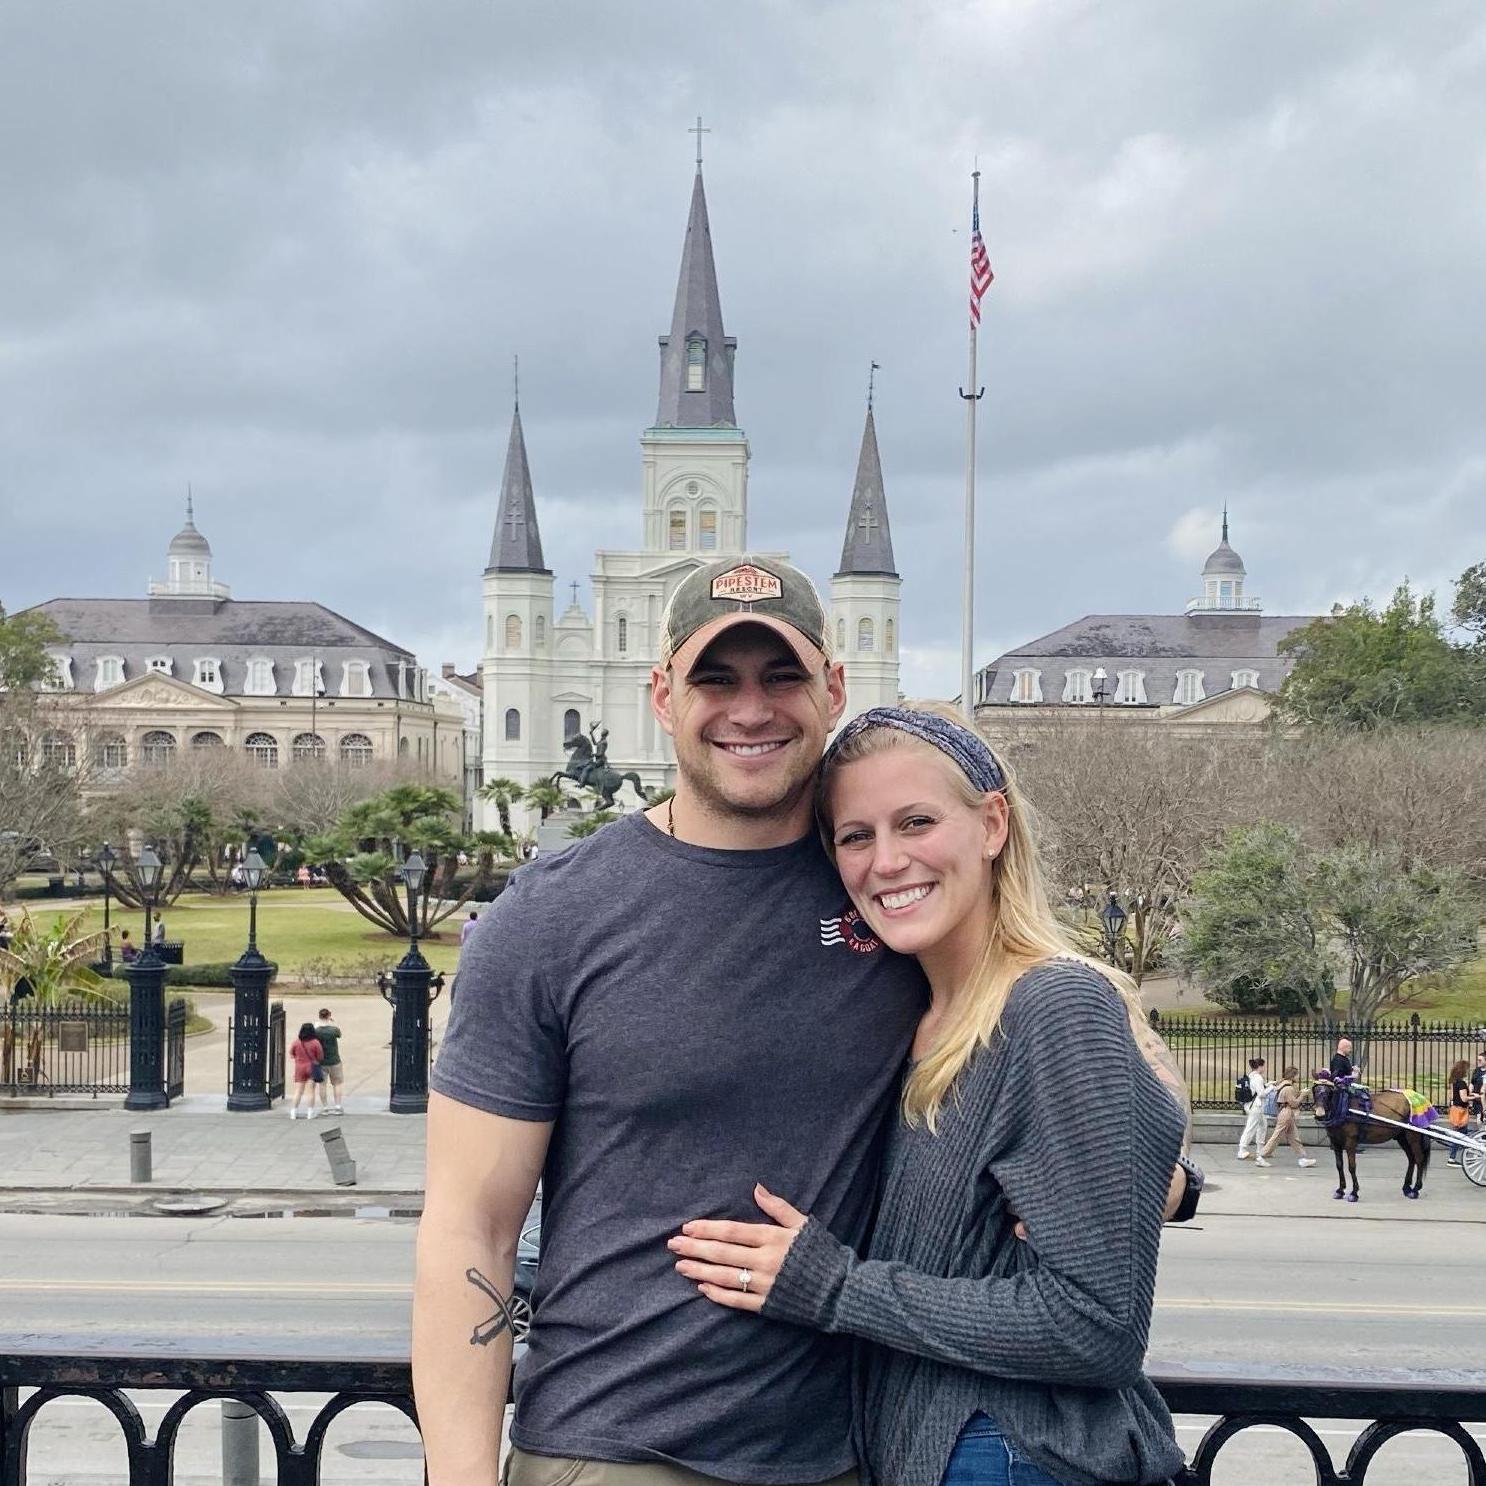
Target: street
1385,1288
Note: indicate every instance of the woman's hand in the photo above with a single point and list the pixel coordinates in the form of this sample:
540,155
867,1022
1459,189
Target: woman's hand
722,1258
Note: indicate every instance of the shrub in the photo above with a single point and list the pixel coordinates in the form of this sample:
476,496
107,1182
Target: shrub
206,976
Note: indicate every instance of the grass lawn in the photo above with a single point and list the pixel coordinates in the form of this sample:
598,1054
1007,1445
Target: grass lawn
1463,1000
304,931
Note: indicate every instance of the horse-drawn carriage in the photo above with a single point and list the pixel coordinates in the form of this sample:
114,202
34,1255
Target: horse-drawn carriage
1352,1114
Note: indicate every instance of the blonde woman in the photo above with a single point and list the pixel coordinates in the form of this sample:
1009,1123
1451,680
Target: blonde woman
989,1360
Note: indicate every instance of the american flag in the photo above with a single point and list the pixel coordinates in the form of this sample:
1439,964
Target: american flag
980,267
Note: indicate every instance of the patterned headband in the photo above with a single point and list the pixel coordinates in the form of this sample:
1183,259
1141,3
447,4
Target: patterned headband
953,739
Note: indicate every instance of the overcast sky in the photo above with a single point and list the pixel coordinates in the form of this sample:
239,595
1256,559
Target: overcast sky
285,252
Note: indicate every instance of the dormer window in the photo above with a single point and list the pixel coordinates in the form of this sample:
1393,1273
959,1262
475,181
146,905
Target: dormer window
208,674
696,364
355,679
1076,687
1245,678
309,677
1188,688
259,681
1026,685
161,665
1131,690
110,672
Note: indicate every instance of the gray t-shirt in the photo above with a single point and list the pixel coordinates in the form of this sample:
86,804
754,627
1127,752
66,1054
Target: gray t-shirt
695,1021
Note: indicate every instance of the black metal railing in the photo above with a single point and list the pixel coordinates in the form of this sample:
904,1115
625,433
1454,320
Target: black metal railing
175,1050
1414,1054
276,1050
70,1047
1437,1403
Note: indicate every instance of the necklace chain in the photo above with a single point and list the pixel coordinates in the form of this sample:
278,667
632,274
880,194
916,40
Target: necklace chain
671,816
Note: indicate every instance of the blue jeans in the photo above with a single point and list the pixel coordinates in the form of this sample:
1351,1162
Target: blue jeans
983,1456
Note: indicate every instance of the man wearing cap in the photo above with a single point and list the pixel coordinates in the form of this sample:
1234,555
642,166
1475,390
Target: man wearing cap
654,1019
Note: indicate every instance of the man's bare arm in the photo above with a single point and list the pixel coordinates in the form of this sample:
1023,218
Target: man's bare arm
482,1175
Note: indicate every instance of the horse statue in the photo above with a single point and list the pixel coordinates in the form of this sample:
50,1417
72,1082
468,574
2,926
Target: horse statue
588,766
1342,1106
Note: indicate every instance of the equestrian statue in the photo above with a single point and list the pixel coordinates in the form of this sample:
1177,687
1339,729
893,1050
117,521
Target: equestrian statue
588,766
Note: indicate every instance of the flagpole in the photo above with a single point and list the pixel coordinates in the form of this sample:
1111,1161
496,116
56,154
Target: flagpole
971,399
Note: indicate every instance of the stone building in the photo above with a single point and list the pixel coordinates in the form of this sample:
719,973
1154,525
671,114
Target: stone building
548,675
190,667
1209,668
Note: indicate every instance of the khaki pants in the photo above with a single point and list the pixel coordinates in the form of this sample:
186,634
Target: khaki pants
525,1469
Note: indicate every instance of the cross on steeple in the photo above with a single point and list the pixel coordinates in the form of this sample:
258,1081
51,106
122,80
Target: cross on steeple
574,587
514,518
871,383
868,524
699,132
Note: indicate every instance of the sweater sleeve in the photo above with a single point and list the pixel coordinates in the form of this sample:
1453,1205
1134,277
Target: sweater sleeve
1091,1191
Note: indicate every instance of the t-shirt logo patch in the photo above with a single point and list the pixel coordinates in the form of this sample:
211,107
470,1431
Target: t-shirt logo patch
850,929
746,584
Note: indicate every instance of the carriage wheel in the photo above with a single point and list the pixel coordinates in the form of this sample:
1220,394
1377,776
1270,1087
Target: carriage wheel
1473,1164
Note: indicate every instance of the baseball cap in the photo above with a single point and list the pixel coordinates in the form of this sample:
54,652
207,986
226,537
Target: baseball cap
744,590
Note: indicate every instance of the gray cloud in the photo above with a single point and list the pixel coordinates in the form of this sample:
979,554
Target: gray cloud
286,254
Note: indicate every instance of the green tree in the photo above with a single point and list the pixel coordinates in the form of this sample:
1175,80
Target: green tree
1364,668
503,793
360,856
55,961
595,820
545,797
1469,610
1340,932
24,659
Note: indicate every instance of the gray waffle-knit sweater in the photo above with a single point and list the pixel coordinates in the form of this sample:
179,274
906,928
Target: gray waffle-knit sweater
1046,1336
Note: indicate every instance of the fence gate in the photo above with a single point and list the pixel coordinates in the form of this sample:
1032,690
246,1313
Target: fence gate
73,1047
175,1051
276,1051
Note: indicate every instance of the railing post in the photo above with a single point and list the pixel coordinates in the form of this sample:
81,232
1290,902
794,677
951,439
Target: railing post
248,1089
147,1032
1414,1050
12,1461
239,1444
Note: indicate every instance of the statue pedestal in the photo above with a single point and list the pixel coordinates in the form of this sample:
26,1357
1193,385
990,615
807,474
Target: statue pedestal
552,834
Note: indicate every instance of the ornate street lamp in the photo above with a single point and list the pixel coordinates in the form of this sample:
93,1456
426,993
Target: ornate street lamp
251,974
413,990
147,1001
107,856
1114,925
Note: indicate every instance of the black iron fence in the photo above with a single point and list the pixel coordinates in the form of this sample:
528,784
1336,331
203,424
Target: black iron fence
1412,1054
275,1051
1272,1399
175,1050
69,1047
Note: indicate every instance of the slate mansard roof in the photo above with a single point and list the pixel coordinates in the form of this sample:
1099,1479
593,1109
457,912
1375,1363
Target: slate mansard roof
232,631
1158,645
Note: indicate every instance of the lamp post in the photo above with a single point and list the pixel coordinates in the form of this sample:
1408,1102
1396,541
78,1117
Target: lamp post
107,856
1114,924
147,1001
1100,689
413,990
250,1019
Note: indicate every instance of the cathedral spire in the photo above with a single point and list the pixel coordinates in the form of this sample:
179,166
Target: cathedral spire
516,546
696,358
868,547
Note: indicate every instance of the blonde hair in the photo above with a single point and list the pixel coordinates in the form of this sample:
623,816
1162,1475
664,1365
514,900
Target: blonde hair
1024,931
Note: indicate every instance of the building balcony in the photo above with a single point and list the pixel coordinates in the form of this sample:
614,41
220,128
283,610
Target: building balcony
1224,606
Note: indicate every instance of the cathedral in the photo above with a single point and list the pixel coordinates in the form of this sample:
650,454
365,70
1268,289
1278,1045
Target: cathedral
549,677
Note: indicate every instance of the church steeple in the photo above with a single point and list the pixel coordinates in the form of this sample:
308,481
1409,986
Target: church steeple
868,547
516,546
696,358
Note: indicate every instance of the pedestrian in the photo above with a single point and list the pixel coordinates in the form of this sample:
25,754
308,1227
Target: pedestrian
656,1016
307,1053
159,930
468,927
1478,1085
128,951
1287,1117
975,1372
1459,1110
1253,1108
328,1035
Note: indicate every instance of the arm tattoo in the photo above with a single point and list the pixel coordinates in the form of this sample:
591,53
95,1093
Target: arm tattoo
487,1331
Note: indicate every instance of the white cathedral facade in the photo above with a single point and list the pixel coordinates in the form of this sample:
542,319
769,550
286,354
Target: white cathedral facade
548,676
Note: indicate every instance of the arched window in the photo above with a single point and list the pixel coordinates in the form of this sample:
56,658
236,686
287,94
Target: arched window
707,529
110,751
676,529
308,746
541,629
356,750
621,631
208,673
402,748
489,633
840,636
696,364
17,750
157,748
200,742
59,750
513,725
110,672
572,724
263,749
1188,687
866,637
513,632
890,638
1076,686
1131,690
260,677
1245,678
1026,685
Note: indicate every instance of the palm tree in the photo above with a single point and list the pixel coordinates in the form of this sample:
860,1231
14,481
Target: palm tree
54,963
545,797
503,793
586,825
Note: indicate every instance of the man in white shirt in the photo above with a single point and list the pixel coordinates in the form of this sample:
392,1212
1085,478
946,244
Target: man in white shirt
1253,1129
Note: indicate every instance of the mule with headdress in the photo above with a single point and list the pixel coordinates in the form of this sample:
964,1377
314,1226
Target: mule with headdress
588,766
1343,1106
